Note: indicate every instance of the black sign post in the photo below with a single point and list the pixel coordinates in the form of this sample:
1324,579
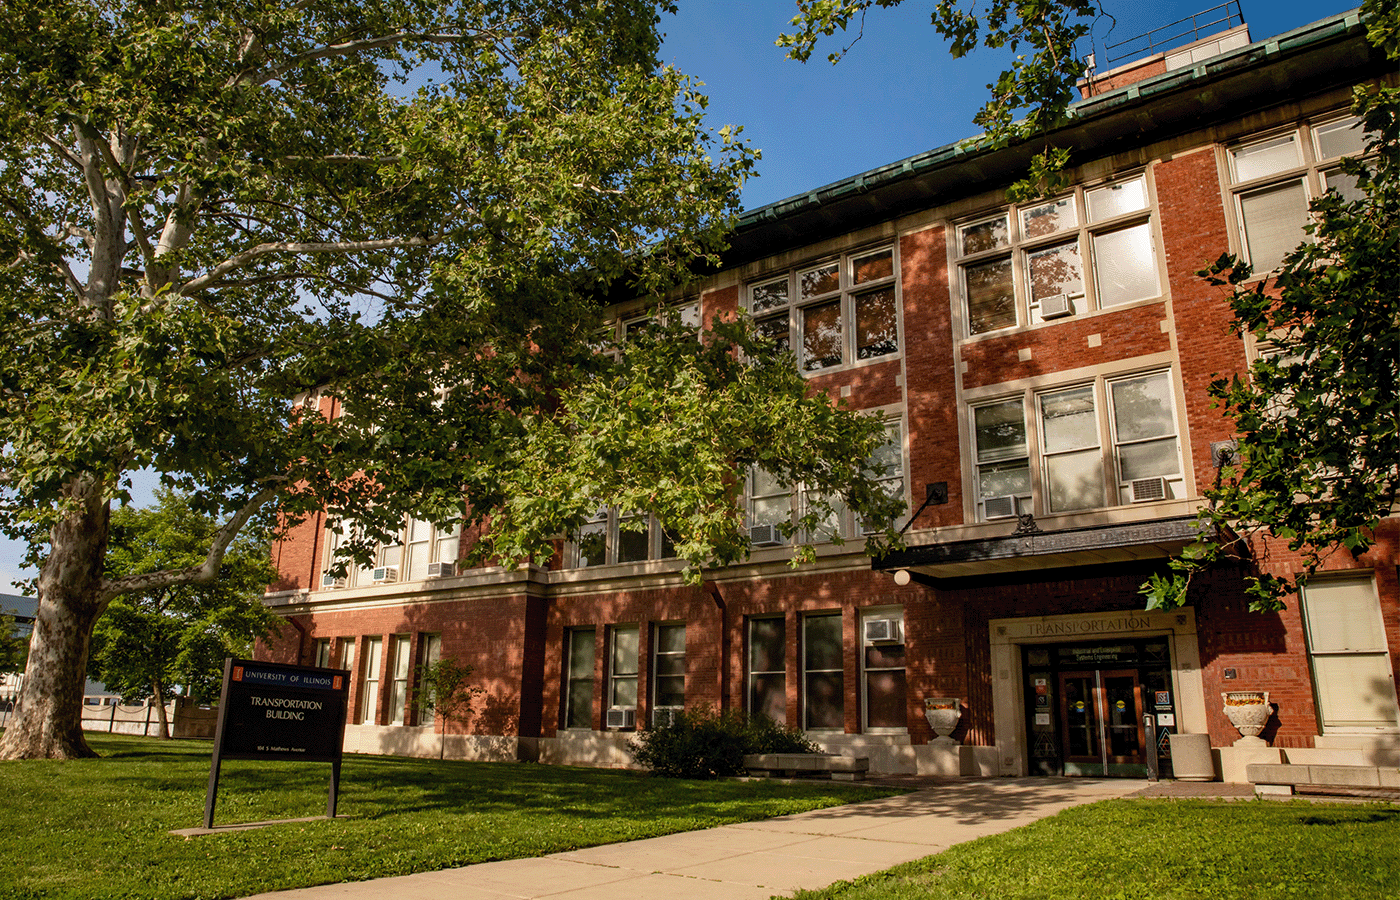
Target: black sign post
275,711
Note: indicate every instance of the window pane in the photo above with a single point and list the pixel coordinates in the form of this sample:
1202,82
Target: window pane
818,281
872,267
988,235
768,296
1343,614
624,691
821,335
1341,138
670,690
580,704
1117,199
884,656
1004,479
1056,270
670,639
1076,481
824,701
1069,420
1266,157
1142,407
1342,183
1273,223
769,697
418,553
624,658
1355,690
771,511
1125,268
670,664
593,544
1001,431
581,654
823,642
579,712
633,546
776,330
991,300
766,650
876,331
886,699
1048,218
1148,460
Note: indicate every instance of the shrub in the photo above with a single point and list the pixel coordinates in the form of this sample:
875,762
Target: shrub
703,743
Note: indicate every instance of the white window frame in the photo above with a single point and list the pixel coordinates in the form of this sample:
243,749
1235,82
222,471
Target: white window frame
1018,248
369,683
1310,169
623,669
1115,489
784,320
323,653
607,521
431,652
443,545
401,667
657,656
1364,644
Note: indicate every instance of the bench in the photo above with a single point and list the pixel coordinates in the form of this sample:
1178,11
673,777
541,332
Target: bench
790,765
1281,779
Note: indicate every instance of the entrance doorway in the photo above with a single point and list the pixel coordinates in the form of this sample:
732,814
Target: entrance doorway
1086,705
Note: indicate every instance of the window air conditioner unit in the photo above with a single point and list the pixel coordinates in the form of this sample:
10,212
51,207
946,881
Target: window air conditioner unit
1145,490
622,717
1056,306
386,575
765,535
879,630
442,569
1000,507
330,581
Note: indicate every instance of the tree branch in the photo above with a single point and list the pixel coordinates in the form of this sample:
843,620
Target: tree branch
151,581
349,47
238,261
62,150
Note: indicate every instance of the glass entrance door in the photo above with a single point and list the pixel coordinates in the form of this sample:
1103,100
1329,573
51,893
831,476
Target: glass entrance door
1101,720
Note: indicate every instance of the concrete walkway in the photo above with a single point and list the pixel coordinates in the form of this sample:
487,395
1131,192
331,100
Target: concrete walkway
755,860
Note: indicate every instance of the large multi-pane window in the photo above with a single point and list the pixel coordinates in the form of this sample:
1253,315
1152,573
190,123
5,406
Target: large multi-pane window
1273,180
767,668
622,667
668,671
882,669
369,691
1104,443
1092,249
1349,654
400,663
823,678
408,556
835,313
773,503
610,537
578,686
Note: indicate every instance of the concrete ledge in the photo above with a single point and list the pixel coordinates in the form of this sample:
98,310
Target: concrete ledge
789,765
1280,779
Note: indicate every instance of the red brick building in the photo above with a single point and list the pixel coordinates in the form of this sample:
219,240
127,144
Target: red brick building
1043,372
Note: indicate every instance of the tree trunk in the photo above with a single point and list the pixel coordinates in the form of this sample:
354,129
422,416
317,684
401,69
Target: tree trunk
48,721
158,695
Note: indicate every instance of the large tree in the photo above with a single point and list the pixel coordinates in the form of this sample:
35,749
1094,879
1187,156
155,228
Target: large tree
148,642
215,216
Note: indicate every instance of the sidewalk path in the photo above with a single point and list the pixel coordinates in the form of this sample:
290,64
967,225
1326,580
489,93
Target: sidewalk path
754,860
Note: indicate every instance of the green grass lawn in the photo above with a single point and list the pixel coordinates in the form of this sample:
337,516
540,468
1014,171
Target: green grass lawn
1162,850
100,828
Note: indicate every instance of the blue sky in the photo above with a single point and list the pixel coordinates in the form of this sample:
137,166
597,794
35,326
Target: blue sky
897,93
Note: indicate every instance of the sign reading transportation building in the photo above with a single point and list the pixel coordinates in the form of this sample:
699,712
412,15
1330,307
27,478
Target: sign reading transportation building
274,711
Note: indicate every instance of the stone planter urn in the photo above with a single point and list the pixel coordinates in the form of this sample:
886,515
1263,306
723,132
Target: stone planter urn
1248,711
943,714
